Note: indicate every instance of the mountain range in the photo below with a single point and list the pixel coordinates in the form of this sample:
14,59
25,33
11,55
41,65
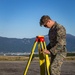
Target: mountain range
26,44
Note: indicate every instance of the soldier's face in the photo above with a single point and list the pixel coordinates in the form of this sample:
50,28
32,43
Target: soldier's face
47,24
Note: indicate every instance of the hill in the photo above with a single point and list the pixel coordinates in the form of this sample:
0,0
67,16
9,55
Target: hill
25,44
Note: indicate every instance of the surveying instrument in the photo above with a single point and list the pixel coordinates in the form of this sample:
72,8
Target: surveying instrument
43,58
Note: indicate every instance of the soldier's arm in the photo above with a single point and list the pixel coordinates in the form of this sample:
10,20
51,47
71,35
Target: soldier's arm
48,46
61,40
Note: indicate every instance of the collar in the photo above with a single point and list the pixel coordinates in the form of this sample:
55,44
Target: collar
54,25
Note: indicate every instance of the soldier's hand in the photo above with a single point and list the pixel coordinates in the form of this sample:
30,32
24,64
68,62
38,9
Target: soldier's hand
46,52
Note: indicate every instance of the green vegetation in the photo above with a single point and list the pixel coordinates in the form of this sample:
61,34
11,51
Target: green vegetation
70,56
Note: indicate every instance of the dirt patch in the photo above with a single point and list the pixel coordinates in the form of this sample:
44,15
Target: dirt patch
17,68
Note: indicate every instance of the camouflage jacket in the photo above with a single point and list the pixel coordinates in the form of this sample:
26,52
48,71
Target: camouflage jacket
57,37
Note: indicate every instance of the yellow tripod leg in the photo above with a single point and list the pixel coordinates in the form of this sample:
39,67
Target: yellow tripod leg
42,61
30,58
47,60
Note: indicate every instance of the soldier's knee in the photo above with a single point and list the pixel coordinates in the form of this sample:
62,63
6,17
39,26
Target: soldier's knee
54,70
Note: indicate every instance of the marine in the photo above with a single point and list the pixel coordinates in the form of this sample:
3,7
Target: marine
57,44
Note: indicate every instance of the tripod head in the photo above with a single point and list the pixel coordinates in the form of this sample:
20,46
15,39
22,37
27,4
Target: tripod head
40,39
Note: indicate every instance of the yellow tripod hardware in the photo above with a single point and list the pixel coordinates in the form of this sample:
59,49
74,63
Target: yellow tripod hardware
44,58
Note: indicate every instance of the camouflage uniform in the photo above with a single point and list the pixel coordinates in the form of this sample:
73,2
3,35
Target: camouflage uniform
57,47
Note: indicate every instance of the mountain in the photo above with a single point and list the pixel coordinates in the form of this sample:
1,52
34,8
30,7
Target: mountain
25,44
15,45
70,43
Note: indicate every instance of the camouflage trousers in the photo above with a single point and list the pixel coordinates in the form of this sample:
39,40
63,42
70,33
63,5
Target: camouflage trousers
56,62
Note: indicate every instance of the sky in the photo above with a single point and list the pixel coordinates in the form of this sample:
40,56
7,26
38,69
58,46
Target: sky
20,18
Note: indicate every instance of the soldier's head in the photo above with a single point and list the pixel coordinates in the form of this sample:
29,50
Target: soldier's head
45,21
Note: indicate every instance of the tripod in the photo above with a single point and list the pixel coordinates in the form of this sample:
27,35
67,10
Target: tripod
44,58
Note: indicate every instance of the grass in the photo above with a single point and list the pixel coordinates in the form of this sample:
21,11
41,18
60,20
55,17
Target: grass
24,58
70,58
13,58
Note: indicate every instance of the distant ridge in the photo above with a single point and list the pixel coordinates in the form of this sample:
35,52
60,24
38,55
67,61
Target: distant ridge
25,44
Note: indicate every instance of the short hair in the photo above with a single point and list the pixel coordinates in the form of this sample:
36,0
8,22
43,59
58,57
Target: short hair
44,19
